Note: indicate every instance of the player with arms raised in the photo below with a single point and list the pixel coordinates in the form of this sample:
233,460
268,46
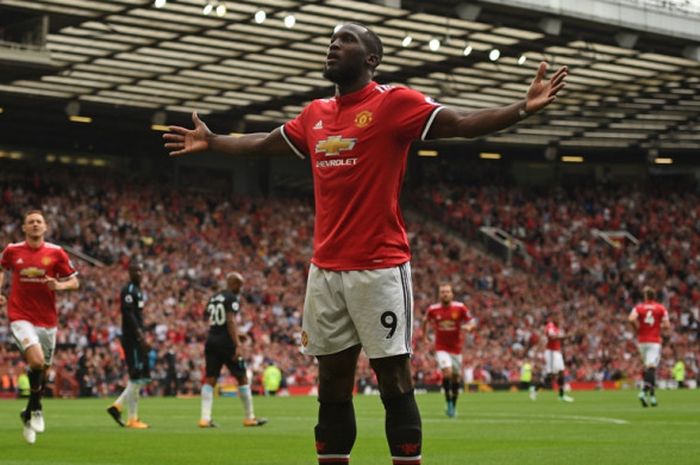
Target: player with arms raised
649,318
359,292
221,349
39,269
448,318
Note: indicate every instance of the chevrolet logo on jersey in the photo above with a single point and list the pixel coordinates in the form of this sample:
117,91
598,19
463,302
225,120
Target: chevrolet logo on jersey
32,272
334,145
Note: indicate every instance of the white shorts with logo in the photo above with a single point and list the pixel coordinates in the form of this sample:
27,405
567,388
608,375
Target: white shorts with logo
27,335
651,354
448,360
553,361
369,307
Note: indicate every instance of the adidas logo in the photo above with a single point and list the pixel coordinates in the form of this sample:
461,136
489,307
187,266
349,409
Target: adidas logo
319,125
19,261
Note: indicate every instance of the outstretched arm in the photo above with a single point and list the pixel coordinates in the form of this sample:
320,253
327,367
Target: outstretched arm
3,299
183,141
633,319
451,123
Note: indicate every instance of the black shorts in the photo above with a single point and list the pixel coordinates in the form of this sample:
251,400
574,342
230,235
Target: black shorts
217,355
136,361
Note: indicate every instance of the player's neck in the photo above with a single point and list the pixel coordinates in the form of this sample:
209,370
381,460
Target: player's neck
349,88
34,242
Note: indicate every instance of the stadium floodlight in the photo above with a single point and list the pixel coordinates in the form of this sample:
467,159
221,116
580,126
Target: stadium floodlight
468,12
221,10
290,21
692,52
494,54
551,26
434,44
522,59
468,50
406,41
260,16
208,8
159,3
626,39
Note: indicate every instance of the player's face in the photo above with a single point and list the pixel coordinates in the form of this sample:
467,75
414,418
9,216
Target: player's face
34,226
136,273
235,282
446,294
347,56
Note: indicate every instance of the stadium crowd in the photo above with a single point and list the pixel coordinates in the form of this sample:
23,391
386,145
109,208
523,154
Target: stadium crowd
189,238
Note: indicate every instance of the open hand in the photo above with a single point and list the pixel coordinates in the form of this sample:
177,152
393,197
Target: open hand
541,93
181,141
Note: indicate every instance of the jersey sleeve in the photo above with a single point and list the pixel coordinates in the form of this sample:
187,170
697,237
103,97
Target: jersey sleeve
64,267
634,313
467,314
233,306
5,261
412,113
294,133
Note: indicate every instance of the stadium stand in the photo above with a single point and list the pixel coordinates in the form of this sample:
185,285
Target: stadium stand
188,238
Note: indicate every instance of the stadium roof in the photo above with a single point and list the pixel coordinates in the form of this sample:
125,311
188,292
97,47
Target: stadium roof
128,59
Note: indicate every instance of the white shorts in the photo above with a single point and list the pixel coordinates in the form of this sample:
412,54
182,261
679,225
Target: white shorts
651,354
448,360
373,308
553,362
27,335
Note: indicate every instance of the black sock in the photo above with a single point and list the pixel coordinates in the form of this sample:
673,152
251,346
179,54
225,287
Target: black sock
447,387
650,379
560,380
335,431
36,386
403,428
455,391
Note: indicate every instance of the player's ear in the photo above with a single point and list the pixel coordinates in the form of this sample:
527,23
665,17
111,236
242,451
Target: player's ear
373,61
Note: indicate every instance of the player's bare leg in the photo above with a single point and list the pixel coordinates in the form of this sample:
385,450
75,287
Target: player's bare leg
403,423
336,429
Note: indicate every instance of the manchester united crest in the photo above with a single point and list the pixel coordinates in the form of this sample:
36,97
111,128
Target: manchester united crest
46,261
363,119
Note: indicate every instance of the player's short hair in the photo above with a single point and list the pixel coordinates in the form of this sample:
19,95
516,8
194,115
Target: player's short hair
32,212
649,293
371,40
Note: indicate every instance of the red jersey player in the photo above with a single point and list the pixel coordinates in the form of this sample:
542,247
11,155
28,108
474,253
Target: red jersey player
553,358
359,286
447,319
649,318
39,269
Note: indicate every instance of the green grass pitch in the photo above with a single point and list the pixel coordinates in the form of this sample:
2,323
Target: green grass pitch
491,429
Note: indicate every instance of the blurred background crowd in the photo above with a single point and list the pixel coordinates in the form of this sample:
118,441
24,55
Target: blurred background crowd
189,238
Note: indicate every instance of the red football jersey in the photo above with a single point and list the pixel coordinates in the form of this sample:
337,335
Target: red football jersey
447,324
358,144
552,332
30,299
649,315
